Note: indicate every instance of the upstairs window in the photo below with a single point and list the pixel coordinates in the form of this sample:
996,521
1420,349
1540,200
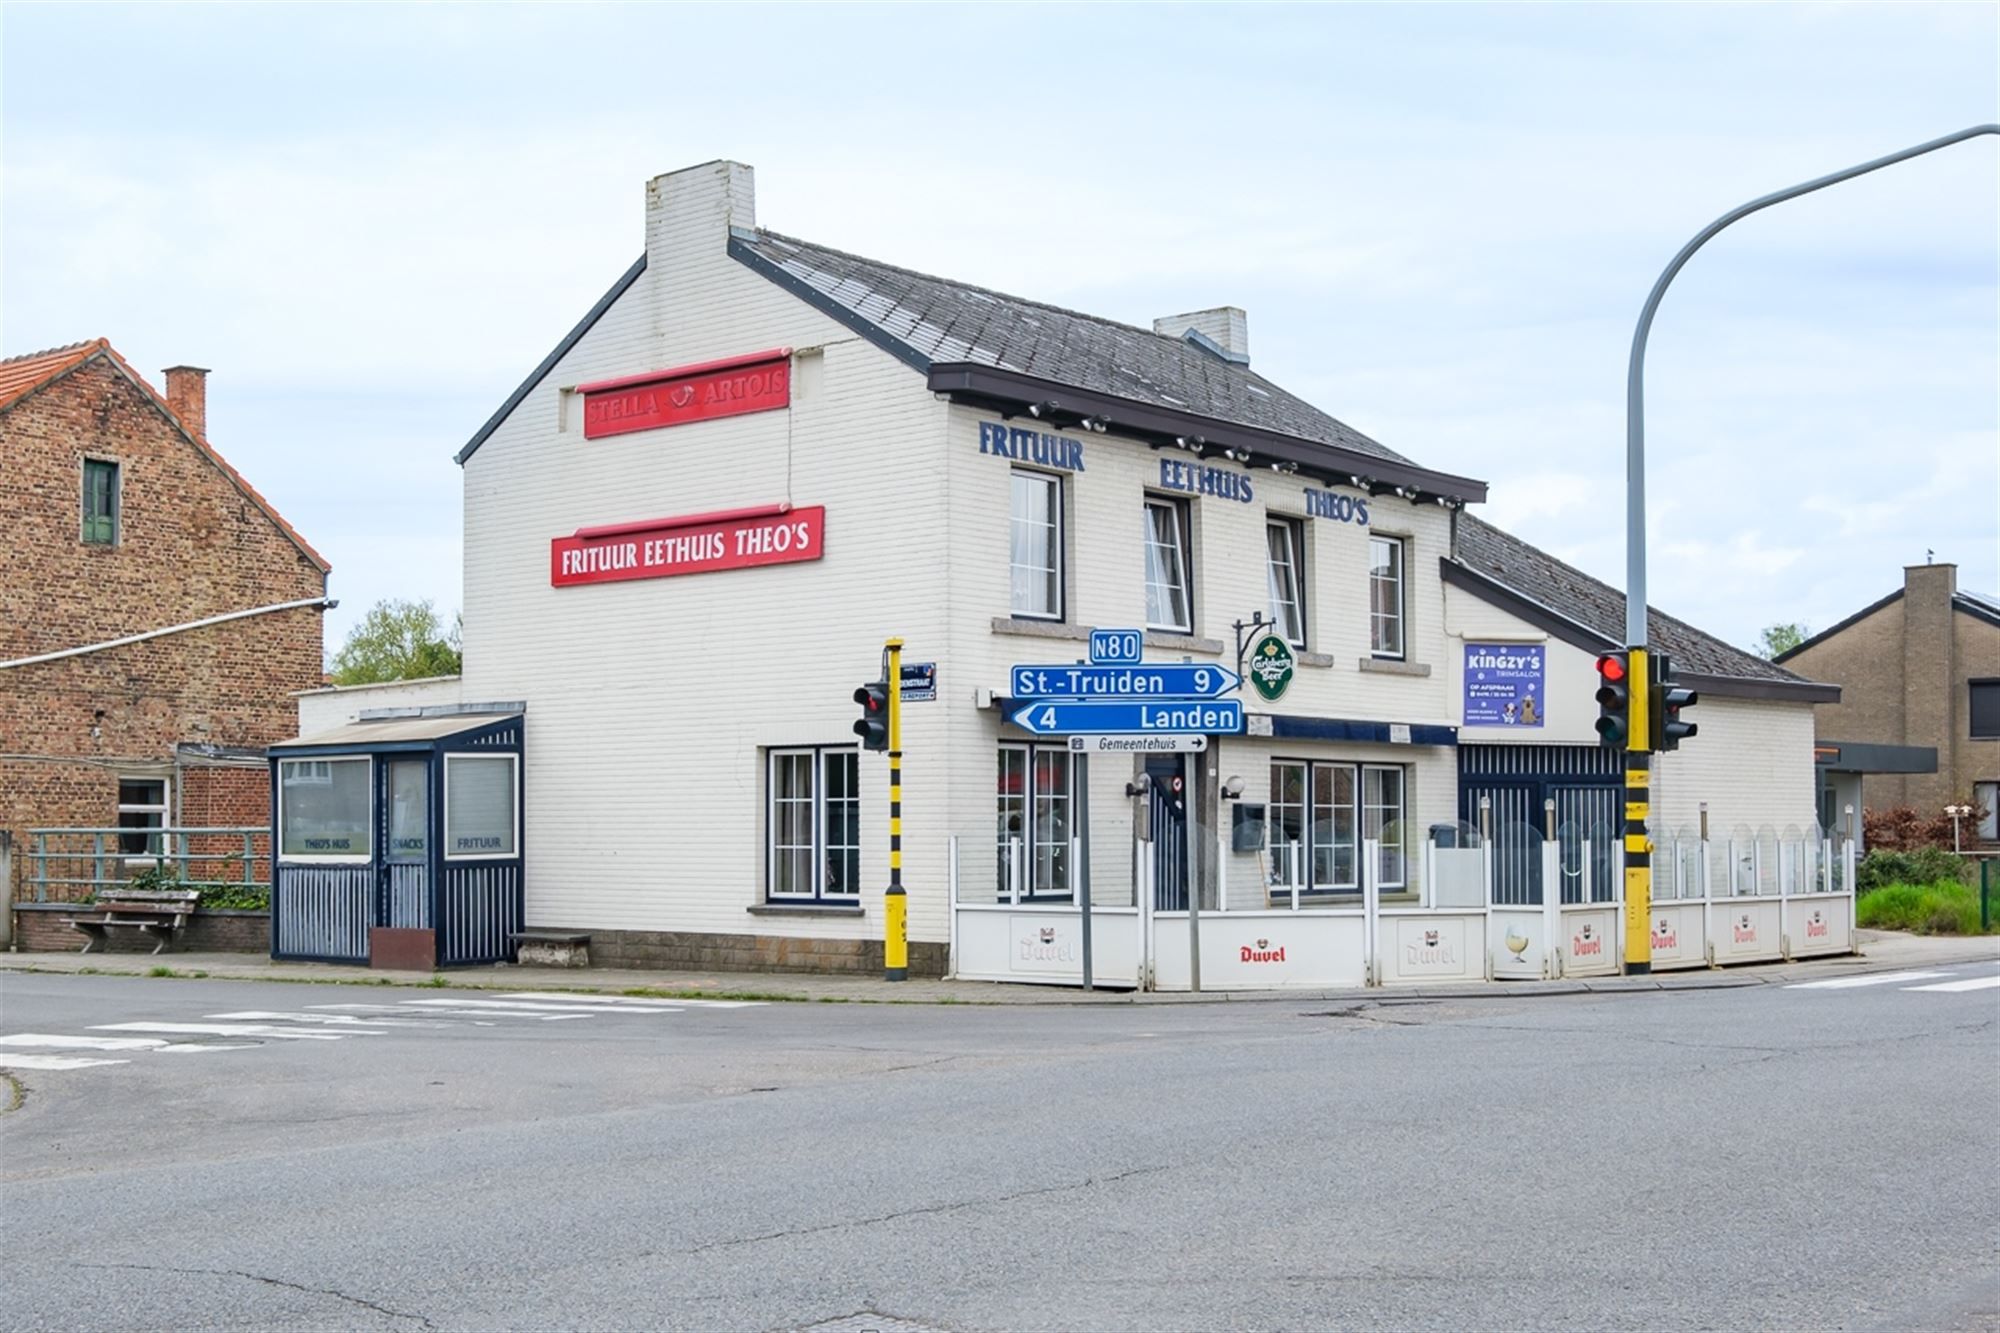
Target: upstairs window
1034,559
1985,709
1285,575
100,502
1168,596
1385,596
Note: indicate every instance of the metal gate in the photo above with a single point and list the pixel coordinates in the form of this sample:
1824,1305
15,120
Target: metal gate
1515,782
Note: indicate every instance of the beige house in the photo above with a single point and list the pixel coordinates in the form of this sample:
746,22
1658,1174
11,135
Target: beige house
1918,719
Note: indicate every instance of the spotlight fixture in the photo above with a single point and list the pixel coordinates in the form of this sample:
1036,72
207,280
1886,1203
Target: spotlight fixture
1093,423
1236,455
1362,483
1039,410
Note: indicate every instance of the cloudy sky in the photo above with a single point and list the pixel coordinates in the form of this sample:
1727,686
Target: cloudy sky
371,222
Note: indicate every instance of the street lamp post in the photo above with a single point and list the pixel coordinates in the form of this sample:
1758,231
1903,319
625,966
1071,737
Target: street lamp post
1638,744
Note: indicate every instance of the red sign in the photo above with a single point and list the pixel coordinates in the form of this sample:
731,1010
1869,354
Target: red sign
759,382
695,544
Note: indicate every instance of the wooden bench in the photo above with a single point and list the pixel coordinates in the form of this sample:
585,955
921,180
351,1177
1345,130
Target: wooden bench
159,913
551,948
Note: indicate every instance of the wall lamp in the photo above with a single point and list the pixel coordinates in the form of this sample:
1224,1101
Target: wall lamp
1232,790
1139,786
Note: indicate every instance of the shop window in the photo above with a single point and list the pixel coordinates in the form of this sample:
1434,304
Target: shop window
409,809
1035,546
1035,801
481,805
100,502
1385,596
1984,709
325,810
1169,599
813,825
1318,817
1285,574
142,812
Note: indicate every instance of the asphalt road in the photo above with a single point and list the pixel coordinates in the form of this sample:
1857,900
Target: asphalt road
1753,1158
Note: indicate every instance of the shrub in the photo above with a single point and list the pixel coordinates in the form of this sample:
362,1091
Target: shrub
1904,828
1947,907
1928,865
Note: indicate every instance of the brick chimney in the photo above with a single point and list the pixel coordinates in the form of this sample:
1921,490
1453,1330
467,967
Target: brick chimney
187,397
1223,331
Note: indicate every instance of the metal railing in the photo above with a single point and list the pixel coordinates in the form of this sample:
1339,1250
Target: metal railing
74,864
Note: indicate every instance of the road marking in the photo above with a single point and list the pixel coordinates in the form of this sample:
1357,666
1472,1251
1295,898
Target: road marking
1970,983
342,1020
185,1047
83,1043
233,1030
1873,979
630,1001
526,1007
52,1062
484,1018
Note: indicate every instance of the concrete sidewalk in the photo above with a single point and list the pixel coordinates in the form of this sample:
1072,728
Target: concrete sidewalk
1881,950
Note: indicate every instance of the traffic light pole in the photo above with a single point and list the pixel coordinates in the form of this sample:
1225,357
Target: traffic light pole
1638,868
895,904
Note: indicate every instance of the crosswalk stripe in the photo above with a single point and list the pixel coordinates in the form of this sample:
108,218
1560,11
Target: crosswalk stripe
50,1041
196,1047
528,1007
52,1062
629,1001
233,1030
1870,979
479,1017
338,1020
1970,983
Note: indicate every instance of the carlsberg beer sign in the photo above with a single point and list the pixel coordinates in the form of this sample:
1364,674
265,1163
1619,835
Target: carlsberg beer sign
1271,663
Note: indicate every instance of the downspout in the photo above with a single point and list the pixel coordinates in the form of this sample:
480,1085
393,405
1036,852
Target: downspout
323,602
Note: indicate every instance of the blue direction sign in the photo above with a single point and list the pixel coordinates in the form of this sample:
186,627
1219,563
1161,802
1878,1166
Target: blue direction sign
1150,680
1134,717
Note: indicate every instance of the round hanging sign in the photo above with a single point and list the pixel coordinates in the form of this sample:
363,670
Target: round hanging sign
1271,663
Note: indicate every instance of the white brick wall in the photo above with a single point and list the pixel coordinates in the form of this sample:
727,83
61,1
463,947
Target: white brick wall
338,705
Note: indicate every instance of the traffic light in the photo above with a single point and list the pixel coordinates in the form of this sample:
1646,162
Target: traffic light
1664,701
873,725
1614,700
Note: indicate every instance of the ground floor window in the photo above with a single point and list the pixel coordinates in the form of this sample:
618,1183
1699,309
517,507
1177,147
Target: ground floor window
142,811
812,824
325,808
481,805
1036,795
1319,815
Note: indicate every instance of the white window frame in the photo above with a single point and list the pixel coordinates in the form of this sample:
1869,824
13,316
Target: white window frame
1057,538
324,858
1036,852
1401,618
444,815
158,831
1183,549
820,848
1294,532
1357,808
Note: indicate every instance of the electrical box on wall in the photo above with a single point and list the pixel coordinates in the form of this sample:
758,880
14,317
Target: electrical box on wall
1246,828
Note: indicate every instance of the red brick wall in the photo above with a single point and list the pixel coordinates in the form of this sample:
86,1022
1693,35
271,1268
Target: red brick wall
191,545
41,930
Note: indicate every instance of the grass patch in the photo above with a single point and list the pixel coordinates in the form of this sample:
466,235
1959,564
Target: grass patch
1943,907
161,971
688,993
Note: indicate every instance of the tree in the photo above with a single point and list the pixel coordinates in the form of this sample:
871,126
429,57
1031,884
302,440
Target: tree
397,640
1780,639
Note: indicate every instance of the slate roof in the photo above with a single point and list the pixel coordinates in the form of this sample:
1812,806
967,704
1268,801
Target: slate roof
1569,592
934,321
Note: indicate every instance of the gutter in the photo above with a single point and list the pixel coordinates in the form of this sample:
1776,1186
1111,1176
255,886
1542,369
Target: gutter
325,603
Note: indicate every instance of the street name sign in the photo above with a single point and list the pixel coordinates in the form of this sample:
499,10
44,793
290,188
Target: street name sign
919,682
1045,717
1150,680
1176,744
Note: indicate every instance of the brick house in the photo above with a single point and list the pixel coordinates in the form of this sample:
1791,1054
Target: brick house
1918,721
156,613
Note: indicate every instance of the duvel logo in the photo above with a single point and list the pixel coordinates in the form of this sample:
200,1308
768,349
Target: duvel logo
1262,952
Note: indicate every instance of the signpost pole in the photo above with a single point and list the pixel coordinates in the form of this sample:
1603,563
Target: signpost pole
895,904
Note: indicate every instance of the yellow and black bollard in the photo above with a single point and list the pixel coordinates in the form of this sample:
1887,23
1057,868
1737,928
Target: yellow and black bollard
895,904
1638,796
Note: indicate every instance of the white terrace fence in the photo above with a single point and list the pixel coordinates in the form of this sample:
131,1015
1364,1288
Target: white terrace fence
1459,905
